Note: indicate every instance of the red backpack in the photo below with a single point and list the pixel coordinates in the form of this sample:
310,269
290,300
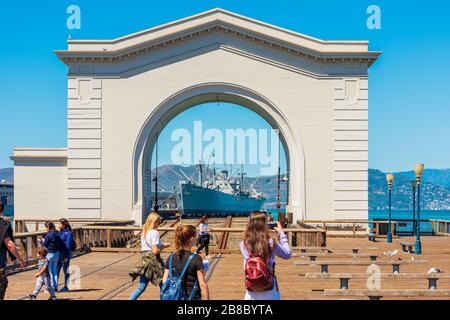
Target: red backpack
258,277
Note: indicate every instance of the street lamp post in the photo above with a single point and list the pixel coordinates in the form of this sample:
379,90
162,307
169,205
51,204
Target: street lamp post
414,188
418,169
390,180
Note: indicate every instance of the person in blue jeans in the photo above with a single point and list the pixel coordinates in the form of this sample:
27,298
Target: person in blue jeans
150,243
54,246
66,235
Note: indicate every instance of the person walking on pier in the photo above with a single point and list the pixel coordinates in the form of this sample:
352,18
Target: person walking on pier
185,265
66,235
43,276
204,237
6,246
55,247
151,266
259,251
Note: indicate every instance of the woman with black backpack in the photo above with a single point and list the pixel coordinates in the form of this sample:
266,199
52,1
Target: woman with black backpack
66,235
259,251
184,276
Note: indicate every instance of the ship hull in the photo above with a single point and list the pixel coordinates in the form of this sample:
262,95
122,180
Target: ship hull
193,200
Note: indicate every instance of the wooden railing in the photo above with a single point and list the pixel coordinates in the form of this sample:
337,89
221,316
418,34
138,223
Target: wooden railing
22,225
114,238
440,227
28,242
353,228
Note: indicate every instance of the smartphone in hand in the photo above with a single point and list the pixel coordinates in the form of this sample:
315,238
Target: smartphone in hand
272,225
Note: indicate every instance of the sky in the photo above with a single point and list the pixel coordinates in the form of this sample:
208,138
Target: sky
409,86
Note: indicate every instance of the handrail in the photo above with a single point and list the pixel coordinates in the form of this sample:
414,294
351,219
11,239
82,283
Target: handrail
211,229
440,227
326,224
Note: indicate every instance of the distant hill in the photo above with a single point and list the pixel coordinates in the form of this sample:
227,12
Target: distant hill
435,188
7,174
435,191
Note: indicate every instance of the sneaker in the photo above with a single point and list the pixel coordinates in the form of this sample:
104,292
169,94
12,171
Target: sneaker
65,289
32,297
52,298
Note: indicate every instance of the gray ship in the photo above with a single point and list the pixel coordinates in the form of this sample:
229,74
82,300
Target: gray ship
220,196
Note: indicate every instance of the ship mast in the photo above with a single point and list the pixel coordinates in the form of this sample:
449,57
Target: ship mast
200,174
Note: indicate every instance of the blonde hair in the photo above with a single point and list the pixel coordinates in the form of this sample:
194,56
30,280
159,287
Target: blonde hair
150,222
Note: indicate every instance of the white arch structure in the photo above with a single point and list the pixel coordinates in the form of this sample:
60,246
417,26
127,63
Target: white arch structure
122,91
211,92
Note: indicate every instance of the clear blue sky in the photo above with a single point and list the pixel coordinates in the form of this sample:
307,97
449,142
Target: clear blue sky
409,85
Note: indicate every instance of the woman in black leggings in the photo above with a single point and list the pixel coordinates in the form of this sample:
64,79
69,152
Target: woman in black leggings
203,239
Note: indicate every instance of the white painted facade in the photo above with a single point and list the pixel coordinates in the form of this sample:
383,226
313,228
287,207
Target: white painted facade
122,92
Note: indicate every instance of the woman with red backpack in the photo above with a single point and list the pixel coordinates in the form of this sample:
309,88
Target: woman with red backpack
259,251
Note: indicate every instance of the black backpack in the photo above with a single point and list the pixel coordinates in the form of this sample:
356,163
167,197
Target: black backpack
4,225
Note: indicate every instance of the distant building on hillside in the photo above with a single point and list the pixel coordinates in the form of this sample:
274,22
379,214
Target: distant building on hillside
7,197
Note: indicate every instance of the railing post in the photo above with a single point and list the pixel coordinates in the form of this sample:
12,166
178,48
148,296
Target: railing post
108,238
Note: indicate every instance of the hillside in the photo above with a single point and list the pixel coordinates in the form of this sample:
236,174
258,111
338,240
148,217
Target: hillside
435,188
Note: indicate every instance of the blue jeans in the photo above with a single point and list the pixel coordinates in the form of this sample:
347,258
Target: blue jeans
143,282
53,259
65,266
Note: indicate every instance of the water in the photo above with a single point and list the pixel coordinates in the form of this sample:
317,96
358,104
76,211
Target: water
403,227
404,218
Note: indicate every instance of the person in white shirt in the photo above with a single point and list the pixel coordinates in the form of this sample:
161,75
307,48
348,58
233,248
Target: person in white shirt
204,237
150,244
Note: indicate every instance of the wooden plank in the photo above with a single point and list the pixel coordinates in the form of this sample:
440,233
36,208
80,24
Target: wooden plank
358,263
388,293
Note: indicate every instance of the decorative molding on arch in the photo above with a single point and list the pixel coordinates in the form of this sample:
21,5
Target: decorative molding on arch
207,92
217,20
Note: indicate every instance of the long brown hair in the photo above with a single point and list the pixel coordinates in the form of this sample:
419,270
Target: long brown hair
256,237
184,234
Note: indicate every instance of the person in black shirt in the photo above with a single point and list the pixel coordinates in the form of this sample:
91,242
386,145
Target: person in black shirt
185,239
6,244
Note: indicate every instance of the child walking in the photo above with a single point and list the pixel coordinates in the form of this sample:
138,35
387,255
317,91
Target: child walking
204,237
43,276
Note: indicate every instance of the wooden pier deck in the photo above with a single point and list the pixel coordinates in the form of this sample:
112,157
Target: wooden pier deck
104,275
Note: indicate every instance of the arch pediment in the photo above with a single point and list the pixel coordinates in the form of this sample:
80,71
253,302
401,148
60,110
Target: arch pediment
212,22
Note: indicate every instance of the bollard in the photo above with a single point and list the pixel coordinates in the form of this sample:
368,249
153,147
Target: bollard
432,283
344,283
396,268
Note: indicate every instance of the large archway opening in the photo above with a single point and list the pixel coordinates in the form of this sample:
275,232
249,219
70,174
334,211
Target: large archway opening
158,130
